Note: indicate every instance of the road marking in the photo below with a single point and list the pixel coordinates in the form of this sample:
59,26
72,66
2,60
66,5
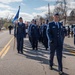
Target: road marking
5,52
5,48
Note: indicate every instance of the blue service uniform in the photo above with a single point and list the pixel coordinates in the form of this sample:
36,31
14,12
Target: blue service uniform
56,43
29,33
68,32
48,36
64,33
10,28
41,34
20,34
34,32
45,39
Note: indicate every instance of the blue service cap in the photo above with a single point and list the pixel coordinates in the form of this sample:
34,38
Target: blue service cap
32,19
20,18
56,14
35,20
47,20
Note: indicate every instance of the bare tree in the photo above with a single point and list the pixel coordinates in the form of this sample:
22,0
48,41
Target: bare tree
61,8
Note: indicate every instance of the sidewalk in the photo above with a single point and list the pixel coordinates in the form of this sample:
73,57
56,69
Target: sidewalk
3,30
69,43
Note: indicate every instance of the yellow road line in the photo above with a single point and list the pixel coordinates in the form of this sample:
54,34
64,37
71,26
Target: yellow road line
3,50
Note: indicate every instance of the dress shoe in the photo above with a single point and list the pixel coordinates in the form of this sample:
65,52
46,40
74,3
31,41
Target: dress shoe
60,73
36,49
21,52
33,48
18,51
46,48
51,68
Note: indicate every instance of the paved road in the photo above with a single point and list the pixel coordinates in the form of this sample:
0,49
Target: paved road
31,62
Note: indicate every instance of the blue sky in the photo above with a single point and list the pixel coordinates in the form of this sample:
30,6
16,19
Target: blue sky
29,8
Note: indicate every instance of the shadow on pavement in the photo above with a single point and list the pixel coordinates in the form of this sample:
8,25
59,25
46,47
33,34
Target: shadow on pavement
63,67
37,55
68,50
58,71
41,55
70,47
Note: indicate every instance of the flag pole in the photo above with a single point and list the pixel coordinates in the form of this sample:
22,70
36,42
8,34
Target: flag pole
15,30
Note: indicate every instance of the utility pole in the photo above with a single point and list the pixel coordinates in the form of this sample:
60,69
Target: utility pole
48,12
65,10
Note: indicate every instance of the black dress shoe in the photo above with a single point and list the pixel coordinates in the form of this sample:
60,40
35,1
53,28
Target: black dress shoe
51,68
46,48
36,49
33,48
21,52
60,73
18,51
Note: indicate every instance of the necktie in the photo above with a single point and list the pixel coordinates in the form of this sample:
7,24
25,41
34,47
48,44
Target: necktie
57,24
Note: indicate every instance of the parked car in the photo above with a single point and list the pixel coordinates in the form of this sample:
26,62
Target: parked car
3,28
